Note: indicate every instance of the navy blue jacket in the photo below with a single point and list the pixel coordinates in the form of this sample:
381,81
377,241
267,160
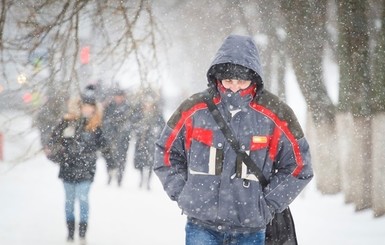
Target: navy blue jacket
197,166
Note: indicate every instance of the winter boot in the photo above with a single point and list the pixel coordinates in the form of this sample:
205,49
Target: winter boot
82,229
71,230
109,177
141,178
120,178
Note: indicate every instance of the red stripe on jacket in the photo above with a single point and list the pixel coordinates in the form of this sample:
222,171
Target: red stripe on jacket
189,132
185,116
203,135
282,125
274,143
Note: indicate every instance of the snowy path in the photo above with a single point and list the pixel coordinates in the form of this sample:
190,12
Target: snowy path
32,212
32,209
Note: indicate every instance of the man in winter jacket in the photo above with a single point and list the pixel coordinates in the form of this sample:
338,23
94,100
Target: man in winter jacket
197,165
117,127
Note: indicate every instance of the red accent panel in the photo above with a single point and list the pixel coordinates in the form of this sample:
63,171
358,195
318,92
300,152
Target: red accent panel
184,116
203,135
282,126
274,143
189,132
217,99
250,90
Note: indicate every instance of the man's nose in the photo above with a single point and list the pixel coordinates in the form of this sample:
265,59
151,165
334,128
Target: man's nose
234,87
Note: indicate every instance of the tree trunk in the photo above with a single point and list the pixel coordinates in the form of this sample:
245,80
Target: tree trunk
273,52
361,163
344,157
328,180
354,94
355,160
378,157
305,44
378,125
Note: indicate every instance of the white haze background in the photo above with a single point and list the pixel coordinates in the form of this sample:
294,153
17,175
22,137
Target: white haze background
32,199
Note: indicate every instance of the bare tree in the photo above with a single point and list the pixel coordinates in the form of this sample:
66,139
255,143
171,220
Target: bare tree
57,47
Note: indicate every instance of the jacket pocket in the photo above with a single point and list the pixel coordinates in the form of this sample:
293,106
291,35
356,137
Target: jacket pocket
267,212
205,159
199,197
247,207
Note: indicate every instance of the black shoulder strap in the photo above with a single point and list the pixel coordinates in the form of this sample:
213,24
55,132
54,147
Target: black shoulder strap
228,133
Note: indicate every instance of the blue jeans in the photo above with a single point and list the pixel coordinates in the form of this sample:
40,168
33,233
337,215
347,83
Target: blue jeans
78,191
198,235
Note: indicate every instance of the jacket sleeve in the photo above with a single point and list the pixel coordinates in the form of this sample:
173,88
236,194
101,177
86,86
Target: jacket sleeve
56,135
105,149
54,149
170,163
292,167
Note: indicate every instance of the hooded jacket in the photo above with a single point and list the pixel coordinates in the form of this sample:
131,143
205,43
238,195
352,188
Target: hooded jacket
80,139
197,166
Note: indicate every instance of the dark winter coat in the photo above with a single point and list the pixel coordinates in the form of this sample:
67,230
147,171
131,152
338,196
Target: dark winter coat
197,166
147,132
80,150
117,129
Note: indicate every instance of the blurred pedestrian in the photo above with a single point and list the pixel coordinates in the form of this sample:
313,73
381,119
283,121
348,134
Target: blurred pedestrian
147,130
117,128
97,88
80,136
223,195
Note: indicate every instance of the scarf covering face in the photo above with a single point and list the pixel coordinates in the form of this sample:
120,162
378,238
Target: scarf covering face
238,100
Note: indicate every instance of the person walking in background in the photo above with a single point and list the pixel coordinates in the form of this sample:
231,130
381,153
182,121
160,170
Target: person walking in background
79,136
147,130
117,128
199,168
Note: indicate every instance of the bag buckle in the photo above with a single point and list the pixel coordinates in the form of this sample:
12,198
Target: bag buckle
246,183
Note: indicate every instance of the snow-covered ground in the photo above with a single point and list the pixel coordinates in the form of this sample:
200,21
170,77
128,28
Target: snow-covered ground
32,209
